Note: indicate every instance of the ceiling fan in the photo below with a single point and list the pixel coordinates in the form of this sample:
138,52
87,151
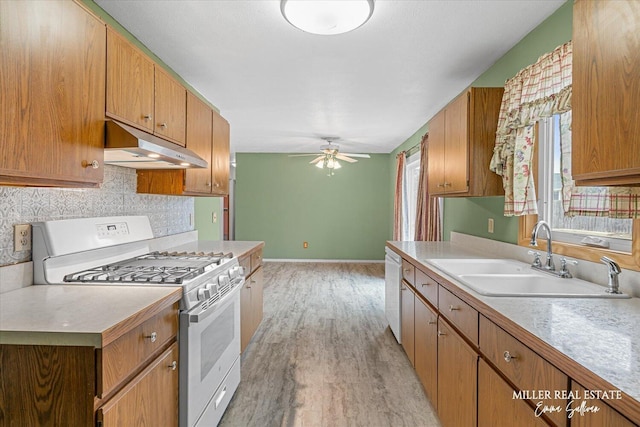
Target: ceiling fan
330,154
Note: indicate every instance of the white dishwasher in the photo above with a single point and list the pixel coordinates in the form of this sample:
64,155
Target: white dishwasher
392,283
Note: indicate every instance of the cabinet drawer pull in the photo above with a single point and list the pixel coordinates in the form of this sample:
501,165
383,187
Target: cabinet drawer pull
440,185
432,322
153,337
508,356
440,333
173,365
147,117
93,164
453,308
447,184
425,284
163,125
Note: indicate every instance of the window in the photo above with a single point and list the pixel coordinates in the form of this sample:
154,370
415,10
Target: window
410,196
613,233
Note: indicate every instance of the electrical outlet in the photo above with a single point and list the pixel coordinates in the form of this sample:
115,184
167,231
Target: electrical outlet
490,226
305,245
22,237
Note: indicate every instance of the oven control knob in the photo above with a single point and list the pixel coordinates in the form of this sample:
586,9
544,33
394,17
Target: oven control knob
203,294
223,280
235,272
212,288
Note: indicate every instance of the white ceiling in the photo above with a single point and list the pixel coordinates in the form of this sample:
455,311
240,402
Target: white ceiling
282,89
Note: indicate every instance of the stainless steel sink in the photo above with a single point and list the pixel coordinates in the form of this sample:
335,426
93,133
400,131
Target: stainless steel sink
511,278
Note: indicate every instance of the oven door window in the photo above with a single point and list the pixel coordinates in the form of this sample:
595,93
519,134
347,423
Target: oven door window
215,339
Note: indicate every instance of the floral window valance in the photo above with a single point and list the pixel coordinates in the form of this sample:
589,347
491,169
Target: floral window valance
539,90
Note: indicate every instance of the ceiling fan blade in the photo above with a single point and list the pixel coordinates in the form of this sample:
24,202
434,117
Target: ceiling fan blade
341,156
364,156
303,155
317,159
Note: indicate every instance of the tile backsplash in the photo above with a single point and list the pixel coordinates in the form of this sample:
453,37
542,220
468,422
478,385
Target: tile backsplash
117,196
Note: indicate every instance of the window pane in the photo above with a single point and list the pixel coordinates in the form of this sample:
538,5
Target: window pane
580,226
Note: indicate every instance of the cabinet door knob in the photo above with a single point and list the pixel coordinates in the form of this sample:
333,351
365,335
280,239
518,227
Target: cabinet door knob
208,184
163,125
446,184
173,365
147,117
508,356
153,337
93,164
453,308
440,185
440,333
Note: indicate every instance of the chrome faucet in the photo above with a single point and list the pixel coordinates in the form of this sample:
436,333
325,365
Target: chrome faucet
614,271
549,266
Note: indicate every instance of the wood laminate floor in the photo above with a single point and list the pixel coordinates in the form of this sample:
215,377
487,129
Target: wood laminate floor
324,355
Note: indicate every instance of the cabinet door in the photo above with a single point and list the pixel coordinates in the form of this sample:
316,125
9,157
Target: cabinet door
456,171
457,379
221,134
606,92
130,78
426,349
199,140
583,415
170,107
436,149
256,281
496,405
52,68
407,320
150,399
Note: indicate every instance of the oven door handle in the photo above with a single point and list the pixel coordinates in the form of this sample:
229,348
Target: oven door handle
203,314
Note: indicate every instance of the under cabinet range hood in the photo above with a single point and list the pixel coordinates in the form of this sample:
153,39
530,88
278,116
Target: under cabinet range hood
132,148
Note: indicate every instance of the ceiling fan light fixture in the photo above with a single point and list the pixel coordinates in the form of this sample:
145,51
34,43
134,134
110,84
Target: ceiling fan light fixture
326,17
320,165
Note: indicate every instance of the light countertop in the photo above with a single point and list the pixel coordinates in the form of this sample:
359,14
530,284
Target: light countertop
73,314
600,334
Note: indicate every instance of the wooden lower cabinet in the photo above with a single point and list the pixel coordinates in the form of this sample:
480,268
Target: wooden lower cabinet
496,404
132,406
251,306
457,379
426,349
407,321
251,296
593,412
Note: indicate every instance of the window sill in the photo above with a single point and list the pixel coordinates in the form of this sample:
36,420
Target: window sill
629,261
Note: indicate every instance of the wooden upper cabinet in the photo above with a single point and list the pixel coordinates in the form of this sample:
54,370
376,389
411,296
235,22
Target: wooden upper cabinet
199,140
141,94
130,83
606,92
170,107
52,68
207,136
461,141
220,166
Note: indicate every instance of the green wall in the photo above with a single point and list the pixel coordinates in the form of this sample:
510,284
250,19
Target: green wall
205,208
471,215
285,201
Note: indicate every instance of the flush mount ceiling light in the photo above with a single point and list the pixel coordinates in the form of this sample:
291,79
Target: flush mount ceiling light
326,17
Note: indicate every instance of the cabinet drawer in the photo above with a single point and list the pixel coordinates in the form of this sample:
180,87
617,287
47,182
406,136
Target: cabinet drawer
408,272
245,263
426,286
256,259
524,368
128,353
458,312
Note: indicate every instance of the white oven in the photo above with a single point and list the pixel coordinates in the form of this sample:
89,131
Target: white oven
210,343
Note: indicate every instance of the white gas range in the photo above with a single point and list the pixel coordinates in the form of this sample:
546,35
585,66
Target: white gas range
115,251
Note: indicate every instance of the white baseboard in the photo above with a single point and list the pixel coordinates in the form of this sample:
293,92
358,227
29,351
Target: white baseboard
344,261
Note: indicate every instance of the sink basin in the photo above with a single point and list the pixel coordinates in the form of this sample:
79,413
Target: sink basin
511,278
533,285
481,266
